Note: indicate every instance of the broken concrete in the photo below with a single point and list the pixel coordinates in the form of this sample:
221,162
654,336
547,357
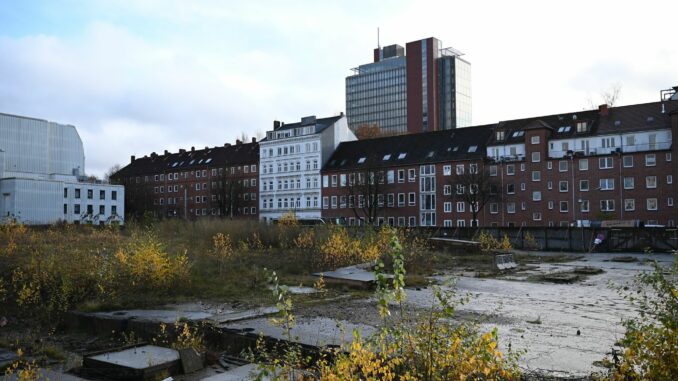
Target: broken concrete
136,363
191,360
361,276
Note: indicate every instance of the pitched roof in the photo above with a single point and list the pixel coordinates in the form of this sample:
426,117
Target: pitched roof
238,154
561,125
320,124
459,144
638,117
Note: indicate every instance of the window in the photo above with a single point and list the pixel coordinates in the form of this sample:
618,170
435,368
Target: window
584,185
584,164
536,216
550,205
401,175
334,181
606,205
447,170
549,165
668,156
412,198
447,207
447,190
390,199
629,182
669,179
522,186
511,207
669,201
536,196
534,140
326,202
76,209
651,204
562,166
334,202
510,188
460,169
629,204
582,127
605,163
536,176
461,206
401,199
650,160
90,194
390,177
102,209
606,184
493,170
584,205
563,206
77,192
102,195
650,182
563,186
412,221
411,175
500,135
536,157
510,170
494,208
628,161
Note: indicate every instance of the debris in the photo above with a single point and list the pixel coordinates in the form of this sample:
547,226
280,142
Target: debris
578,333
562,277
588,270
625,259
191,360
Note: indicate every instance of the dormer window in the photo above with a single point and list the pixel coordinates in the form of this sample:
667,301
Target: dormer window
402,155
582,127
430,154
500,135
387,157
472,148
361,160
518,134
564,129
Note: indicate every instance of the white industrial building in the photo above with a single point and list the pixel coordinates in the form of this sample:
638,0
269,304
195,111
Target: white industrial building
291,157
42,166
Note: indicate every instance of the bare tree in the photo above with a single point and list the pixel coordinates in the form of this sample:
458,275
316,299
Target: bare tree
111,171
611,95
229,191
474,186
364,190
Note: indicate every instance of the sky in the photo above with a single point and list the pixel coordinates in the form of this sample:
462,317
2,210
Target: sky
142,76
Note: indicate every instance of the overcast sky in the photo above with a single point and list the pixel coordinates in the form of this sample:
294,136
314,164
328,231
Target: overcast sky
141,76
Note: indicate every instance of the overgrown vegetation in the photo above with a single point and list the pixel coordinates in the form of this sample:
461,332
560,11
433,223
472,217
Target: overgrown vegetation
650,345
425,346
45,272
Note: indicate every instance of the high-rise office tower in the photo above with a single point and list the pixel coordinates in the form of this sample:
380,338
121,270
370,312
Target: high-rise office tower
423,87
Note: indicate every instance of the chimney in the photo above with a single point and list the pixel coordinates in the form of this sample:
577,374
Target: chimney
254,140
341,113
192,148
181,150
206,148
603,110
166,152
276,124
154,155
132,159
227,144
238,142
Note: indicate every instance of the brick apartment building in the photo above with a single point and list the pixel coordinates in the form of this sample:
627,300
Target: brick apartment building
217,181
610,163
403,180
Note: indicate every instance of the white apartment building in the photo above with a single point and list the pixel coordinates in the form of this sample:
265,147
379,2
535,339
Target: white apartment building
42,168
291,157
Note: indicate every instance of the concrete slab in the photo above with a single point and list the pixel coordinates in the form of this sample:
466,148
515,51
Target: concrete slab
191,361
314,331
241,373
49,375
137,363
359,275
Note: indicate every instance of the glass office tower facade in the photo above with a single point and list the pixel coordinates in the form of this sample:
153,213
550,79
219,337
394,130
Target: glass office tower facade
427,89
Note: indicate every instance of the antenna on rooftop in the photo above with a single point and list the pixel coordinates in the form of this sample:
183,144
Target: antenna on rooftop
378,46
